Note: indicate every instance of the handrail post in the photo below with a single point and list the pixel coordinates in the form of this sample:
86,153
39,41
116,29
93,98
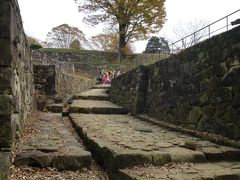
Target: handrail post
209,31
194,38
227,22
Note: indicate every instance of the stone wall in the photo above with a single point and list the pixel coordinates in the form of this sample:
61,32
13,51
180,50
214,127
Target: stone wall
198,88
76,66
129,89
69,55
70,84
16,92
91,56
54,79
44,81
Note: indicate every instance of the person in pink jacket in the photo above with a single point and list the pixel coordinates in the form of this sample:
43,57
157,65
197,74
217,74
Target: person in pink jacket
107,79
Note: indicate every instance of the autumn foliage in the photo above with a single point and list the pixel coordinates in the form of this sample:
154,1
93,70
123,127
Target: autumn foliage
133,19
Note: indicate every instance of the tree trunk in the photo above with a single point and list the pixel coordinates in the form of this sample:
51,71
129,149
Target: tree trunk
122,42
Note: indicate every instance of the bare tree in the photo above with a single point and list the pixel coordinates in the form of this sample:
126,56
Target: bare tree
190,33
63,36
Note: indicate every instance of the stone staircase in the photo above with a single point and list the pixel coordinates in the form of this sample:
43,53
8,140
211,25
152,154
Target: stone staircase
53,145
95,101
124,146
128,148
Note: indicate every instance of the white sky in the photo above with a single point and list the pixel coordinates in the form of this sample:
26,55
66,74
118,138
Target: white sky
40,16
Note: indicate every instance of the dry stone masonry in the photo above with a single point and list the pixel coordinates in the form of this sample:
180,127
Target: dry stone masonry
44,81
17,92
16,74
91,56
16,80
89,61
54,79
198,88
123,145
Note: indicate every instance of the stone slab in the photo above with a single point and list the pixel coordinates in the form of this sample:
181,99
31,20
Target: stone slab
102,86
93,94
218,139
56,108
5,163
183,171
96,107
53,145
120,141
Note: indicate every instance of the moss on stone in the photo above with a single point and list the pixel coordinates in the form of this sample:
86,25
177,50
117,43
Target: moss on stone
5,52
5,131
6,105
209,110
230,115
195,114
204,98
202,124
236,89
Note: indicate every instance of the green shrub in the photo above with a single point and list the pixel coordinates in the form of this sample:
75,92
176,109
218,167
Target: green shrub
35,46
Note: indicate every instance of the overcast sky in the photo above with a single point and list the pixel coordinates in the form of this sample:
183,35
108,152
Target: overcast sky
40,16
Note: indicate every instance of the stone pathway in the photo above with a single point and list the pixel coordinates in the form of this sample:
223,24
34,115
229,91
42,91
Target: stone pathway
53,145
93,94
51,149
56,108
5,162
96,107
95,101
35,173
184,171
123,145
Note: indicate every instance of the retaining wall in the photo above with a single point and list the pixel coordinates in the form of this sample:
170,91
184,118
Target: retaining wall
16,74
198,88
98,57
54,79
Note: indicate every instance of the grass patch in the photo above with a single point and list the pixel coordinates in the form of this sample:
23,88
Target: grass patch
78,75
75,51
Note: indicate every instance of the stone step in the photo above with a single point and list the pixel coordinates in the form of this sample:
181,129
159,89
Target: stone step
36,173
58,99
71,158
55,108
52,145
96,107
120,141
182,171
102,86
93,94
65,111
5,163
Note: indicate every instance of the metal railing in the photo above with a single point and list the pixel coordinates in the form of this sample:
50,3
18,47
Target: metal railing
217,27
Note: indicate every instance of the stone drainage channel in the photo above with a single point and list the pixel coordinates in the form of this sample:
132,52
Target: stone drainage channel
124,146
